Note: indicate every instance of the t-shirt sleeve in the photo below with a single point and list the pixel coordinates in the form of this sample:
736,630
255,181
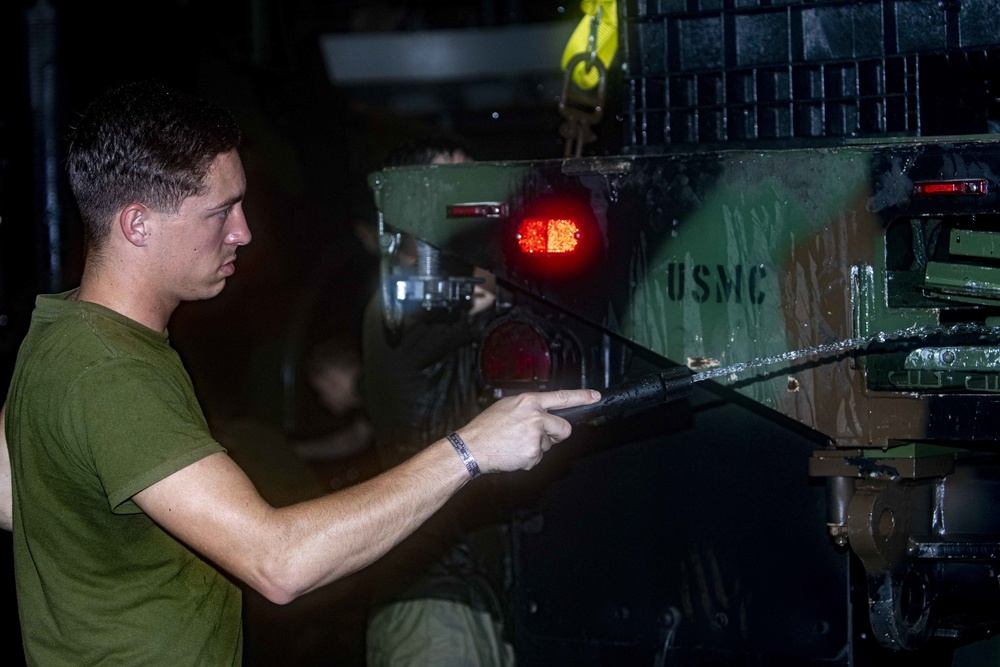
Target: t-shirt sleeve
134,424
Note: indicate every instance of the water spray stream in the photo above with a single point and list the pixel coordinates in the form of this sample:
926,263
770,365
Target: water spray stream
676,383
837,348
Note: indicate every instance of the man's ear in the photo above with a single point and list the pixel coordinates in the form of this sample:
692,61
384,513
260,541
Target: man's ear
133,221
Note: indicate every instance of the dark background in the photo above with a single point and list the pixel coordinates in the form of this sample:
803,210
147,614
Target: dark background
309,145
310,269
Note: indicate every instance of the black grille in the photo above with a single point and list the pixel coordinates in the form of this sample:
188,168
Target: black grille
801,71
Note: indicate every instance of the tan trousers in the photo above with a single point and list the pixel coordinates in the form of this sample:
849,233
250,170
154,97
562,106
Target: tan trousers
435,633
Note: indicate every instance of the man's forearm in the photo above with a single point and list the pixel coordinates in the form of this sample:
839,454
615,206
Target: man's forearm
361,523
286,552
213,507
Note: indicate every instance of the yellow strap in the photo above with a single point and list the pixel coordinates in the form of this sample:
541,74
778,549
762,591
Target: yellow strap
606,44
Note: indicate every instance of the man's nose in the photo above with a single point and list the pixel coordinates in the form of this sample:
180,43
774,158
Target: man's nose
239,234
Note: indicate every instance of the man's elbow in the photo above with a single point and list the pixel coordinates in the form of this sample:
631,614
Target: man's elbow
276,582
276,594
282,581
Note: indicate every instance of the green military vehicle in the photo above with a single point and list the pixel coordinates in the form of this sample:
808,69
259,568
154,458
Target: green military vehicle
790,280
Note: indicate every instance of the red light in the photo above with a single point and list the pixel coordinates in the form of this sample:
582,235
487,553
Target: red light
946,188
515,352
553,236
477,210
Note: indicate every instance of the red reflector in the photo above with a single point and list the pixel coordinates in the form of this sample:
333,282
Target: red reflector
548,235
515,351
477,210
946,188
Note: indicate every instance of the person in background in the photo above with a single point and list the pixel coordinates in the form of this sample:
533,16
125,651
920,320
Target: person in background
441,593
129,519
333,371
335,434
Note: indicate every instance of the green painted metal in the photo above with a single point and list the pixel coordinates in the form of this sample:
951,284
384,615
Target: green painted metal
982,282
969,243
911,450
718,258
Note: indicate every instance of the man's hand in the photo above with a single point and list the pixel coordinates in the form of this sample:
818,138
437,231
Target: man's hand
514,432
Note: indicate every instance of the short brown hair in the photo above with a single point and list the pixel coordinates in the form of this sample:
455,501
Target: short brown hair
146,143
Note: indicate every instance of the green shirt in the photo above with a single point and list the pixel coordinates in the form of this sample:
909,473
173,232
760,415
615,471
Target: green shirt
99,408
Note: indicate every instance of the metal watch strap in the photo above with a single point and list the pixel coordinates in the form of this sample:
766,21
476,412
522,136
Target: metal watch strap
467,458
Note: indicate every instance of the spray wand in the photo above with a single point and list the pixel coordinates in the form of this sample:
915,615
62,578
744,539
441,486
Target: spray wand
663,387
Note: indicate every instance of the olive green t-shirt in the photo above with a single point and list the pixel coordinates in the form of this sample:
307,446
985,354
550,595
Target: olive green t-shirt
99,408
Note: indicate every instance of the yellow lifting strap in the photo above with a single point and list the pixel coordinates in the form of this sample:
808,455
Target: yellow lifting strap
597,34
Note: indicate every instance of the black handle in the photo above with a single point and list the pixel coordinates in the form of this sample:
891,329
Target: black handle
635,395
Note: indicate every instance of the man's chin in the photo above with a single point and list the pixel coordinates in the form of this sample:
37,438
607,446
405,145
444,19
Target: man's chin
208,292
216,290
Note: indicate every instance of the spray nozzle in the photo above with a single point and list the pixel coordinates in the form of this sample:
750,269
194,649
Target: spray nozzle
628,397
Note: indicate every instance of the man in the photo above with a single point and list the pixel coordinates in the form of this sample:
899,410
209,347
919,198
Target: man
128,517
